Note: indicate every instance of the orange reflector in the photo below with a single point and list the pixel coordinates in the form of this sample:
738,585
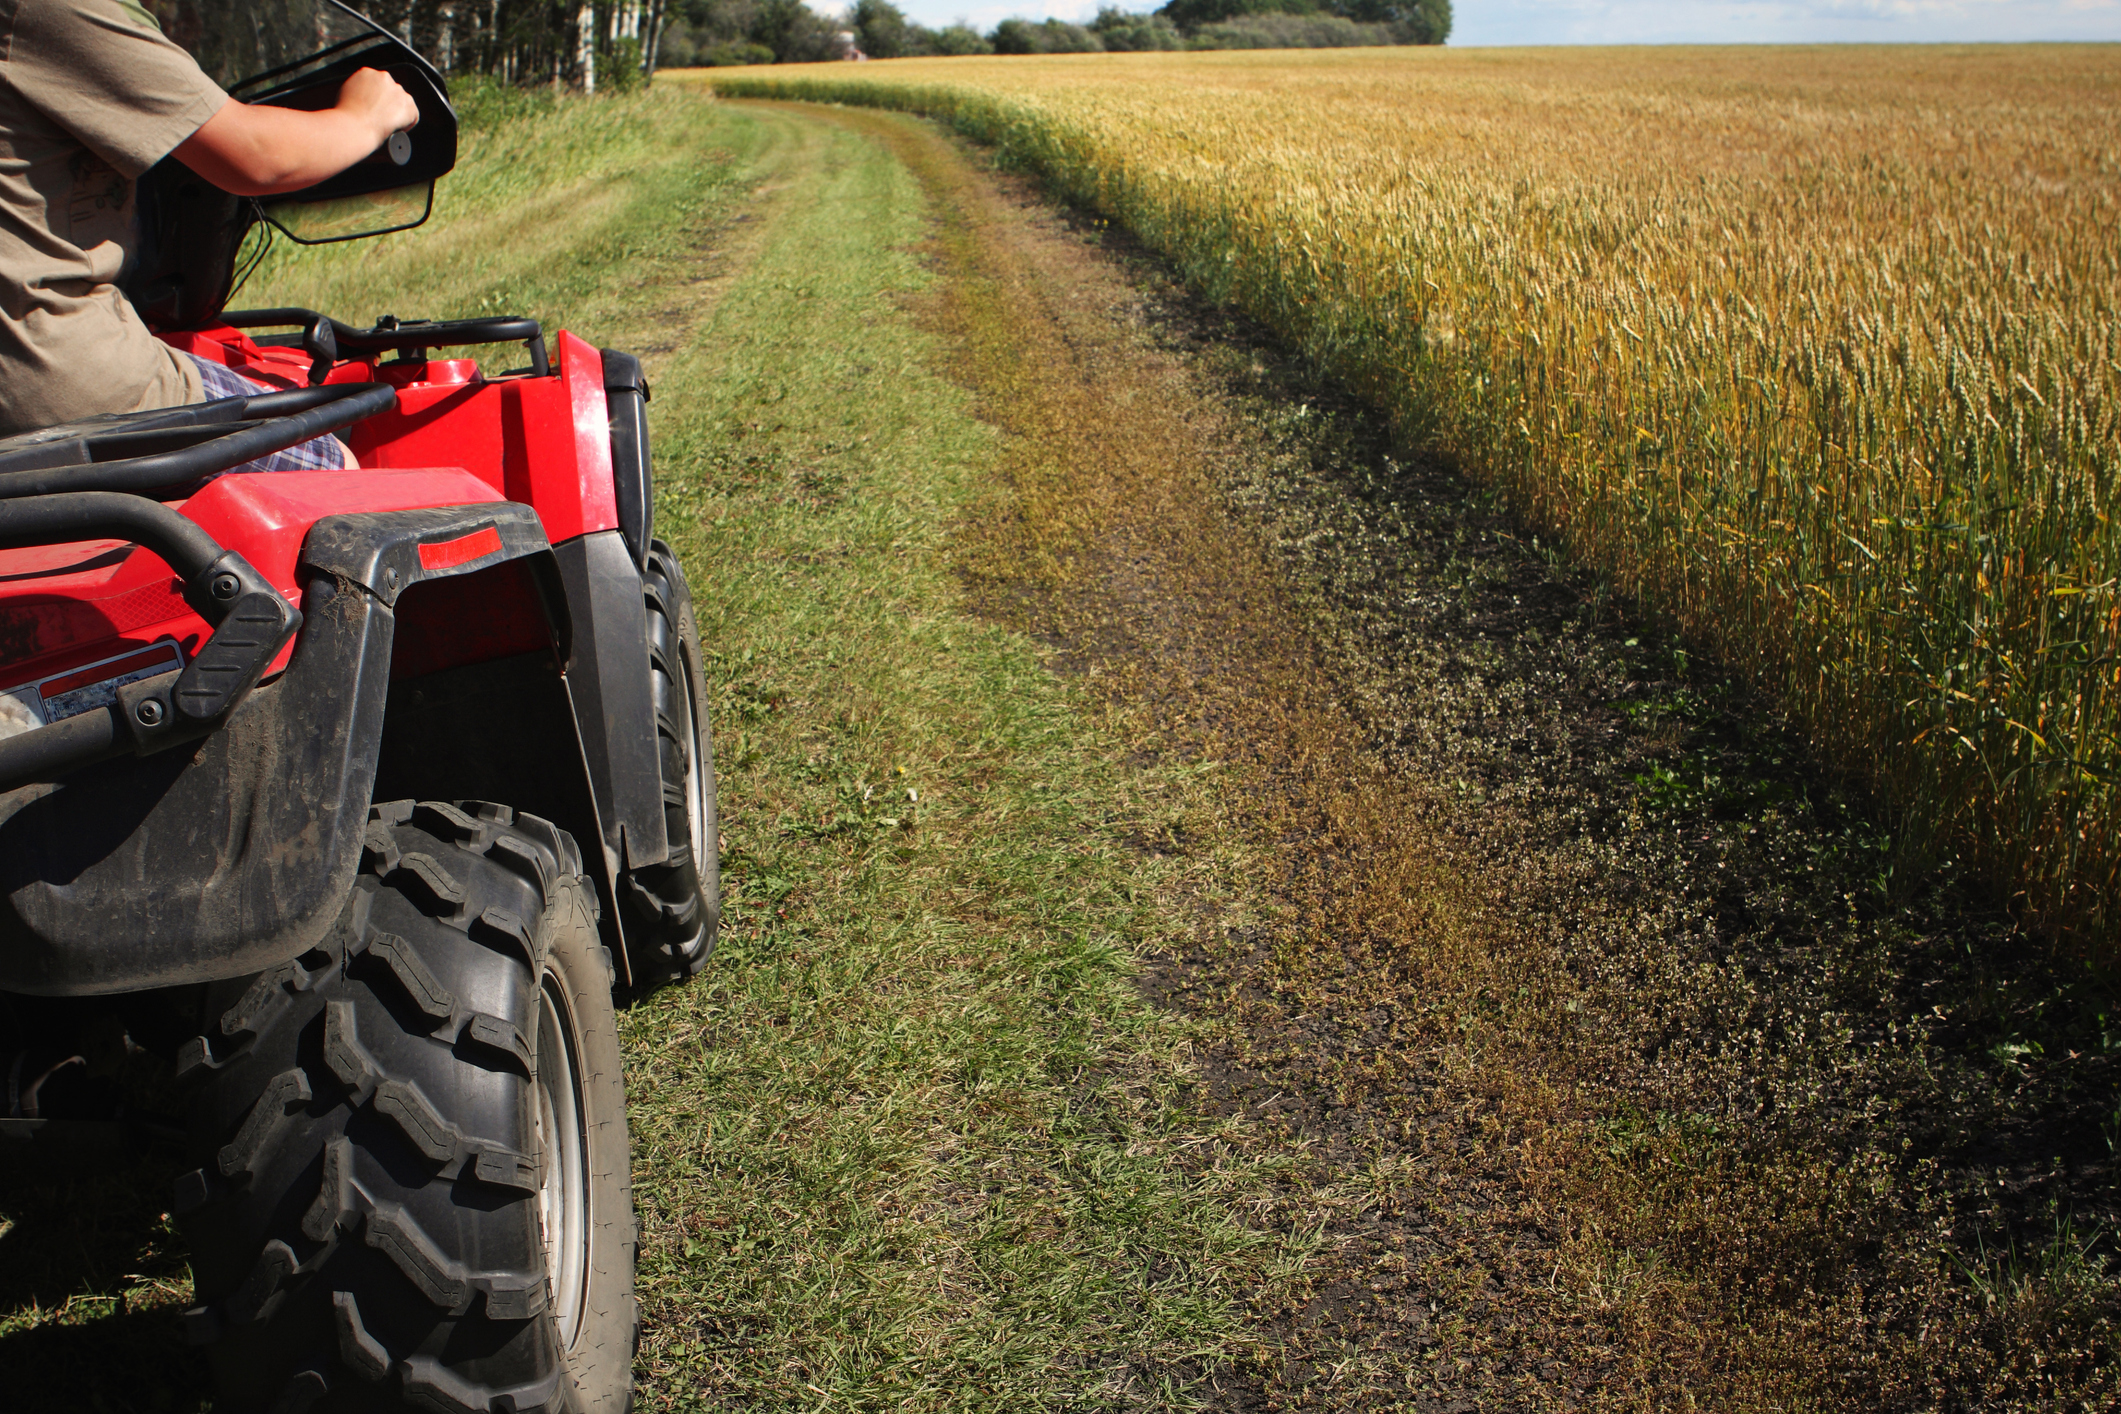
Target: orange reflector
448,554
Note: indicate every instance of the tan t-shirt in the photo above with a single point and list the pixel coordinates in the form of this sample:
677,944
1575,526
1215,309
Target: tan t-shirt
91,95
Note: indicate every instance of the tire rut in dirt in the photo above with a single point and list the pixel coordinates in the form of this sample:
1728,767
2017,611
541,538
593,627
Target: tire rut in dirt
367,1219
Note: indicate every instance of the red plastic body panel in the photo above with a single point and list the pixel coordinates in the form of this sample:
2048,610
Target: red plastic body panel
266,518
66,604
582,370
285,368
456,439
474,618
543,441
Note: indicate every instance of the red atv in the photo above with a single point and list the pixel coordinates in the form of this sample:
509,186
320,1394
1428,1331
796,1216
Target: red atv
354,794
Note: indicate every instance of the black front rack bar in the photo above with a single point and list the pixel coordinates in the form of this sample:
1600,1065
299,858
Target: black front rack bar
110,461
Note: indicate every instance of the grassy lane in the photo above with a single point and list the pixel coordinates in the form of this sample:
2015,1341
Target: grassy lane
916,1137
916,1141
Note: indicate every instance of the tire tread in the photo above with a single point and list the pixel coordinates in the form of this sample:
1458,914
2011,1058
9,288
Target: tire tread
675,908
310,1085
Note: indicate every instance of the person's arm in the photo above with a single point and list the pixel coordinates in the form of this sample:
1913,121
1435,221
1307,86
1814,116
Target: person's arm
260,151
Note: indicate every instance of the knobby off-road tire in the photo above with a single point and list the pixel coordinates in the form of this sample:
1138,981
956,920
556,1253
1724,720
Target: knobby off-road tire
676,906
414,1189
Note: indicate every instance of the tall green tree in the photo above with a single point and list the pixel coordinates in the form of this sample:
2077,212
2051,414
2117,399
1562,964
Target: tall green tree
1190,15
1421,21
880,28
1122,32
794,32
1051,37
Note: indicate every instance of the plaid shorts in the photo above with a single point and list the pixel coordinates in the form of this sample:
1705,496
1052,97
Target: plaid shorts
326,453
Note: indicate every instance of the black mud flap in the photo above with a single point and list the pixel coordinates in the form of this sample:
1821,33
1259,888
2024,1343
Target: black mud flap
614,700
632,475
226,857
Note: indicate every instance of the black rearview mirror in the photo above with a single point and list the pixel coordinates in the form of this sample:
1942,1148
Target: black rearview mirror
320,221
393,188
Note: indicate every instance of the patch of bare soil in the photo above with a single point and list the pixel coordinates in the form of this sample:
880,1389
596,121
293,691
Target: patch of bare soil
1636,1064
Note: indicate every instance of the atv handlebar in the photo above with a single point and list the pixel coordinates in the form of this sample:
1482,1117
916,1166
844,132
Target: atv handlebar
252,623
322,335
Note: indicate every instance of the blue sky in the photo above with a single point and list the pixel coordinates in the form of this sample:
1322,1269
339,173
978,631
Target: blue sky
1480,22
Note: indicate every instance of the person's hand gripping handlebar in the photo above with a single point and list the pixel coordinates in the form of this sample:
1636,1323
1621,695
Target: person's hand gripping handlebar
388,107
257,150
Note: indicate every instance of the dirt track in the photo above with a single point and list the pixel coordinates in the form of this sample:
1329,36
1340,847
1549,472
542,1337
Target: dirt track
1630,1075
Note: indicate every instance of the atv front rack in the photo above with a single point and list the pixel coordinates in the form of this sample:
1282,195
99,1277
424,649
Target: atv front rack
252,622
172,448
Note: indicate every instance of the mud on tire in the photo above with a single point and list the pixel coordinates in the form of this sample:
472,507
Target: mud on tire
675,907
393,1130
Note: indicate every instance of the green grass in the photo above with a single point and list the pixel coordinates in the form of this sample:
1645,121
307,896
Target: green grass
913,1140
557,209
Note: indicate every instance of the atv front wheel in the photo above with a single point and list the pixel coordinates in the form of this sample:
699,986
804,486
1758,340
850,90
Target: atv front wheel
415,1191
676,905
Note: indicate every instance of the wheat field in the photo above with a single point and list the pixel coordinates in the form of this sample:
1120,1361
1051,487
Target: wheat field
1813,349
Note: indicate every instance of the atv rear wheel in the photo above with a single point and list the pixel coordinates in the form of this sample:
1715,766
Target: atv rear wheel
415,1191
676,906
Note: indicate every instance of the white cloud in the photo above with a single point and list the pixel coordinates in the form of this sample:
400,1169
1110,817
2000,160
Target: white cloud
1780,21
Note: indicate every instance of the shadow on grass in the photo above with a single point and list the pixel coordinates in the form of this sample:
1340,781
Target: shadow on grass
92,1282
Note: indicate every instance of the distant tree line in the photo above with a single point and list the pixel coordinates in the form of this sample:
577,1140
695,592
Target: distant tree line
586,44
788,31
616,44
